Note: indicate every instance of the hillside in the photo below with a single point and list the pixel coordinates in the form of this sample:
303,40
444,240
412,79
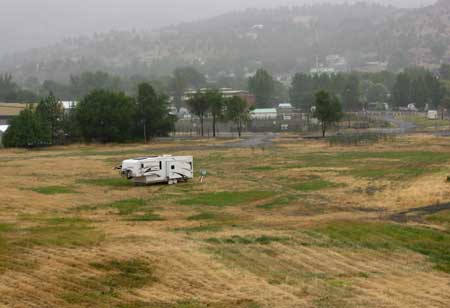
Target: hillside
284,40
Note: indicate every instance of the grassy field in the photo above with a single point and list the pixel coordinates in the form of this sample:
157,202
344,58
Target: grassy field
298,224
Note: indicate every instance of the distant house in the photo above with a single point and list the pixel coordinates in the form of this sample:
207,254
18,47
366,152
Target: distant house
9,111
264,114
227,93
68,105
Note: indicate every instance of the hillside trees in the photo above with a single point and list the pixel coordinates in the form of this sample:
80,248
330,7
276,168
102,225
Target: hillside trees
183,79
11,92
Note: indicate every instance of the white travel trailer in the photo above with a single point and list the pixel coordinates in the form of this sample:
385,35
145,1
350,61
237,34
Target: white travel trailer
158,169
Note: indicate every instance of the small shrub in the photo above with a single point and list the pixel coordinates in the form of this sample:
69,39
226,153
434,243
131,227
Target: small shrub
358,139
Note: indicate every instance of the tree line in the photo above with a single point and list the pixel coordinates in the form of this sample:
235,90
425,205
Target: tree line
212,102
355,90
100,116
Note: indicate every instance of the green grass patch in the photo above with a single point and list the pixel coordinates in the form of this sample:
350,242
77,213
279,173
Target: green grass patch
127,206
440,218
202,216
117,276
389,236
201,229
61,232
314,185
108,182
278,202
402,165
262,168
191,304
147,217
223,199
66,232
126,274
261,240
54,190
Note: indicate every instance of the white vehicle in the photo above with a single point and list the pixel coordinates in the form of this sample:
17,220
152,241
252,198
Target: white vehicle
158,169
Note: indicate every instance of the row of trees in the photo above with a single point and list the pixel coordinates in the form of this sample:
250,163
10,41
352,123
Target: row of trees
420,87
213,103
11,92
101,116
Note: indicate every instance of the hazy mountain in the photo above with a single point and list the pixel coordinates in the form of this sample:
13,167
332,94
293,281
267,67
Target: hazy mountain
35,23
282,39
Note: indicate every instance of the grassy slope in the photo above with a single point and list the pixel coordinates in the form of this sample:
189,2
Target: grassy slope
303,224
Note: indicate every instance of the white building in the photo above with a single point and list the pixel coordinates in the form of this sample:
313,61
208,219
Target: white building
68,105
264,114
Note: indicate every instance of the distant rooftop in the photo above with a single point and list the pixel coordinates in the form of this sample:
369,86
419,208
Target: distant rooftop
264,110
11,109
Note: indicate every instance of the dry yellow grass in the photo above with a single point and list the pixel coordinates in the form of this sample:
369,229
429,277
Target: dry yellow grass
257,253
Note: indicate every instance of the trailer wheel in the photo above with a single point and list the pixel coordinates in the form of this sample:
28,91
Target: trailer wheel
173,182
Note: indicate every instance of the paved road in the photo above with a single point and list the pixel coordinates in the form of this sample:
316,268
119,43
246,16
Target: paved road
250,140
401,126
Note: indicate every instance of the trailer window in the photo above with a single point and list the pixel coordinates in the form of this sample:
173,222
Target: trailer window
173,167
160,165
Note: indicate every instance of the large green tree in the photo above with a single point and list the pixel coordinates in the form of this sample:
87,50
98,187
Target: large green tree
262,85
237,111
377,92
216,107
351,94
199,105
25,131
50,113
152,113
106,116
401,92
301,92
328,110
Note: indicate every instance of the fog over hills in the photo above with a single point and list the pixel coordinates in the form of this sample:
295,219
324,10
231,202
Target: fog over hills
283,39
33,23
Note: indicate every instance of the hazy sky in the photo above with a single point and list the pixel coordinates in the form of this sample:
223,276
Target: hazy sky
33,23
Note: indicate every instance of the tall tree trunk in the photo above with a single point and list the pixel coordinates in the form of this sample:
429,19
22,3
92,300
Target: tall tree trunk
201,126
145,133
239,129
214,126
324,128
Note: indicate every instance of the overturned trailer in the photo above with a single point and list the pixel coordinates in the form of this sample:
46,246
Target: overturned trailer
158,169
